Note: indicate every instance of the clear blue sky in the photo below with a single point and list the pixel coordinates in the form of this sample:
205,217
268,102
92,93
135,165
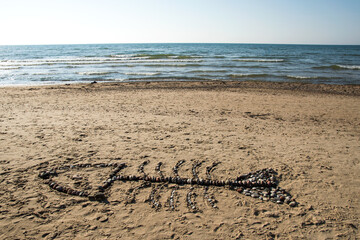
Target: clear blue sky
149,21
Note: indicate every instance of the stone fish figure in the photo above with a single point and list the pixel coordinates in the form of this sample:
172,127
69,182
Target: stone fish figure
261,184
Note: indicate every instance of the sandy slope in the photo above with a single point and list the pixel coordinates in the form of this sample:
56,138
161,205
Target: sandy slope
308,133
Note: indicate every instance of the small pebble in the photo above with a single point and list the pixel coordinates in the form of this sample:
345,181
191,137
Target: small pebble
255,195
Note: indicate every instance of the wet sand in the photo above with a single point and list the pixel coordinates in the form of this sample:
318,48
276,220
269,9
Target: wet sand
308,133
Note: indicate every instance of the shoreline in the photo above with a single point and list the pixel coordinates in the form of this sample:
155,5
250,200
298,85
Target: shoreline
349,89
309,134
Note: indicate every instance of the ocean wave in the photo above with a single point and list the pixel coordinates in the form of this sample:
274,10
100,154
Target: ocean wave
46,79
172,78
208,71
308,77
143,73
251,66
124,57
95,73
299,77
9,68
86,63
172,65
138,61
258,60
234,66
121,65
59,60
339,67
26,64
91,61
208,76
155,56
353,55
165,60
43,74
165,56
248,75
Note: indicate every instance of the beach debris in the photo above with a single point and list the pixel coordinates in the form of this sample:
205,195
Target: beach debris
261,184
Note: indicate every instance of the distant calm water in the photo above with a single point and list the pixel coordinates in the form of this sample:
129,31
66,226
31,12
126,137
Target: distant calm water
57,64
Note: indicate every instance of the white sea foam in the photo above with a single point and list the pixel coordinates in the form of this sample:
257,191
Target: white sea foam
172,65
143,73
239,75
258,60
208,71
90,61
9,68
43,74
339,67
94,73
353,67
300,77
166,60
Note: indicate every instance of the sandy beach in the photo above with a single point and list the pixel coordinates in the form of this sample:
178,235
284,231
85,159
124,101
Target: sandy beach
309,134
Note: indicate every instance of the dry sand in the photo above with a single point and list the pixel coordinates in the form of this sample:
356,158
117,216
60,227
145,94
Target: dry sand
309,133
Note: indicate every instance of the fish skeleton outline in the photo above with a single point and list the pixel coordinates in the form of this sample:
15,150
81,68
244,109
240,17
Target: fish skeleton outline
261,184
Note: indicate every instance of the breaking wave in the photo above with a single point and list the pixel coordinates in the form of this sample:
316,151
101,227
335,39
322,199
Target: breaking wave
208,71
165,56
173,65
258,60
9,68
308,77
98,60
172,78
95,73
143,73
339,67
248,75
300,77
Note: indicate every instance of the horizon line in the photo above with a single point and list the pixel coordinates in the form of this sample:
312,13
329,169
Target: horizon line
113,43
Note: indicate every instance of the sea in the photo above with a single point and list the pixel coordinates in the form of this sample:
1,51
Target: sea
64,64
